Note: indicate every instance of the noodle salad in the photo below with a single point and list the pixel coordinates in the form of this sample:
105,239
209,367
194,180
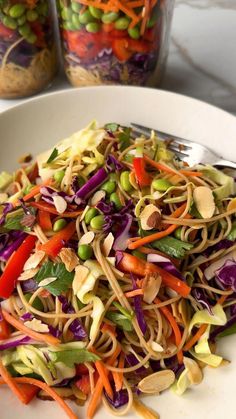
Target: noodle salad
118,271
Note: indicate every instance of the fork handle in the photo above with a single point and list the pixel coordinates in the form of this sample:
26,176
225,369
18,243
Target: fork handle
225,163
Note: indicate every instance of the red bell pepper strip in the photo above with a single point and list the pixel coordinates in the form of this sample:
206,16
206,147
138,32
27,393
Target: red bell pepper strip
4,328
53,246
142,177
15,266
44,220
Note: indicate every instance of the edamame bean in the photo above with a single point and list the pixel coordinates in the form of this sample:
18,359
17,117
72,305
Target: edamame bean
31,15
97,222
109,187
75,21
139,254
21,20
134,32
86,17
122,23
9,22
116,200
85,251
24,30
76,7
97,13
59,224
124,181
17,10
93,27
66,13
42,9
31,38
69,26
59,175
177,233
90,214
109,17
161,184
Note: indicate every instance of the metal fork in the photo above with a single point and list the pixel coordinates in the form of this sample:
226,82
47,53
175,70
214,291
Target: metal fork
189,151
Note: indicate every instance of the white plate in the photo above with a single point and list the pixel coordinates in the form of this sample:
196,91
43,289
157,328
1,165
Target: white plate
38,123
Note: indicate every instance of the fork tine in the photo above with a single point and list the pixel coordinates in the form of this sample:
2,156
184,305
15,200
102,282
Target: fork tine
177,151
146,131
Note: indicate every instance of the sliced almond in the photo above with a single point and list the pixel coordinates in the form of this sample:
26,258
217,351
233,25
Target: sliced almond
194,372
157,382
97,197
176,313
157,347
34,260
81,273
144,411
60,203
84,212
47,281
232,205
151,287
87,238
30,273
107,244
150,217
69,258
37,326
204,201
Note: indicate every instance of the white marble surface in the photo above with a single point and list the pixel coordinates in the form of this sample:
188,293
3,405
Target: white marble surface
202,58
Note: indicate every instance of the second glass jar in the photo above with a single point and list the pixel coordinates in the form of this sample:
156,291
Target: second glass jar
122,42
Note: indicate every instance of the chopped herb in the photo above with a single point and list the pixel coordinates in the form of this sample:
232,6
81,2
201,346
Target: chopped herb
172,247
52,156
73,356
55,270
126,313
124,138
113,127
120,320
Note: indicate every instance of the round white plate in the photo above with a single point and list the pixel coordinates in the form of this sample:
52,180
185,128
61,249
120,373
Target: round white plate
38,123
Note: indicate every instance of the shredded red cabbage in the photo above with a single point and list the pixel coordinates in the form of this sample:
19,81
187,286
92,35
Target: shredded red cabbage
220,329
223,244
226,275
113,164
132,361
14,342
165,263
138,308
75,327
16,238
27,316
201,297
8,207
123,235
92,184
106,208
120,398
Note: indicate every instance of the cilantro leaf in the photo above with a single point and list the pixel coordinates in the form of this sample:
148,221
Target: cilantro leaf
52,156
73,356
120,320
55,270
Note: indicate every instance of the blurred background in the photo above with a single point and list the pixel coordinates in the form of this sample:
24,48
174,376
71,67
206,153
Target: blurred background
202,54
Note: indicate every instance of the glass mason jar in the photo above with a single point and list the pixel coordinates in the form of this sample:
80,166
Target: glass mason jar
27,49
115,41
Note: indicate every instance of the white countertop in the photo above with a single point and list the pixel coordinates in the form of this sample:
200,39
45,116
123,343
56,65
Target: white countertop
202,58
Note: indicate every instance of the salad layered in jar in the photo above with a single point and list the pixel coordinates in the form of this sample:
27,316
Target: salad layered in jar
114,41
27,51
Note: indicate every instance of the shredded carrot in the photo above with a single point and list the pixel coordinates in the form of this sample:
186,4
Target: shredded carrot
135,3
103,374
44,206
118,376
174,326
133,293
96,396
145,17
195,338
108,328
222,299
36,190
7,378
162,167
47,389
41,337
45,220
